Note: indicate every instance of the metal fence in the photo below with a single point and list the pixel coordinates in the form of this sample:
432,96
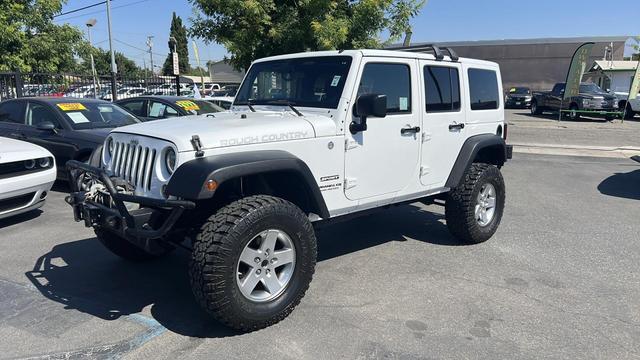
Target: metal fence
16,84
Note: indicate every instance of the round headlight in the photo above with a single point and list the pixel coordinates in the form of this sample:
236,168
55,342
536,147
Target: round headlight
29,164
170,160
110,146
44,162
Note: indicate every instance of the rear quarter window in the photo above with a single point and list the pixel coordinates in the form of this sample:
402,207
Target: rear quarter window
483,89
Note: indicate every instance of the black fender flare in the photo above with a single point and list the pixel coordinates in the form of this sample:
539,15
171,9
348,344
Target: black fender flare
498,156
189,179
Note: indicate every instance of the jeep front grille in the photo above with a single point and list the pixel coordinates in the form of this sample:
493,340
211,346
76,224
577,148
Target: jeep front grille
133,163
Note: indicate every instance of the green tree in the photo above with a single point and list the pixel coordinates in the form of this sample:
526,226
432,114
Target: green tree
179,32
102,59
31,42
251,29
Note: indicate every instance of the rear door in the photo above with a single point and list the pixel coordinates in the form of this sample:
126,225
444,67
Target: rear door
383,159
443,123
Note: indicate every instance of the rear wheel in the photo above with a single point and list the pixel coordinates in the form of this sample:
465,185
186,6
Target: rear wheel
474,209
252,262
573,112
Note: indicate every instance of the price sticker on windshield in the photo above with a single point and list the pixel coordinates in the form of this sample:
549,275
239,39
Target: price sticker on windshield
71,106
188,105
336,80
512,90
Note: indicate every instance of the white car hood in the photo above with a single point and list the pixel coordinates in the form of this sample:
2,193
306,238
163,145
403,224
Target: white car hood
15,150
234,128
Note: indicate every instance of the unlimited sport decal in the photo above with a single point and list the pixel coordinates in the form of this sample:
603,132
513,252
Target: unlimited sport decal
333,183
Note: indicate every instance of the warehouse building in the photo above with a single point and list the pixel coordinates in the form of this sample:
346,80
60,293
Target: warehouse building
535,63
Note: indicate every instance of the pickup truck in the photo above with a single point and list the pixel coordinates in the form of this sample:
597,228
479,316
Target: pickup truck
591,100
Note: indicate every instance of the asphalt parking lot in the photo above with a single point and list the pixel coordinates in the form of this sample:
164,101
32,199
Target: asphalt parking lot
559,280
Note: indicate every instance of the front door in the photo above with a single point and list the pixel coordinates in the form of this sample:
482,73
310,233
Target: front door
383,159
444,121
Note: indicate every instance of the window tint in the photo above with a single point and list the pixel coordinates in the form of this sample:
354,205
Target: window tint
483,87
12,111
135,107
393,80
442,86
38,114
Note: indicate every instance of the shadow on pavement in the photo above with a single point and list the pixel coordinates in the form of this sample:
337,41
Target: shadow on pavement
555,117
13,220
85,277
622,185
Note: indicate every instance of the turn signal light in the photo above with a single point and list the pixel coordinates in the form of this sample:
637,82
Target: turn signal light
211,185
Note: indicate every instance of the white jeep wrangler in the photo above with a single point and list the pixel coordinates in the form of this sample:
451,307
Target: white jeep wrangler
310,138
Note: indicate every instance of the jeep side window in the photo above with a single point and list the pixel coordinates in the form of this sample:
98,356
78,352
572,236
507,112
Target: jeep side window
442,88
483,88
393,80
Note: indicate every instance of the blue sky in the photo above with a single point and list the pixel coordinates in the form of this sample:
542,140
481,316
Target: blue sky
440,20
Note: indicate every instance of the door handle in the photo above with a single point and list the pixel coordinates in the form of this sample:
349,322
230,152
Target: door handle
456,126
410,130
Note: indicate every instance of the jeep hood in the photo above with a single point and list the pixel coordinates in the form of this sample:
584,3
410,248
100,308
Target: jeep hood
234,128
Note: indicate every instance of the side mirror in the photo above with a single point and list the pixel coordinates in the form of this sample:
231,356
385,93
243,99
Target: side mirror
46,125
368,105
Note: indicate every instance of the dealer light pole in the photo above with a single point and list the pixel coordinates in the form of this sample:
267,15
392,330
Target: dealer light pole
114,67
91,23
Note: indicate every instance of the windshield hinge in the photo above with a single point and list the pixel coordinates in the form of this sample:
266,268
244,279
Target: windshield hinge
350,183
197,145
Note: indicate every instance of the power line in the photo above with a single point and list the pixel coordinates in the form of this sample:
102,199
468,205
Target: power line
80,9
101,11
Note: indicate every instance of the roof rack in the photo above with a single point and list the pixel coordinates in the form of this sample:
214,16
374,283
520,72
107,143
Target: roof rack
437,52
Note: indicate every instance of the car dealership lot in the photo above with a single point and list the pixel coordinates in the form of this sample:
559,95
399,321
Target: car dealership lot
559,280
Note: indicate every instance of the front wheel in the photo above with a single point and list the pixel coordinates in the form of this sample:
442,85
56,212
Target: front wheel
535,109
573,112
253,261
474,209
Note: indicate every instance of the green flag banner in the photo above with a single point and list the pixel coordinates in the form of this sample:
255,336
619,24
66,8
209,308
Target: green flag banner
635,84
579,64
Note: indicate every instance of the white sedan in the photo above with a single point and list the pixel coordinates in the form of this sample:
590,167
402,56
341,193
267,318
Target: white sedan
27,173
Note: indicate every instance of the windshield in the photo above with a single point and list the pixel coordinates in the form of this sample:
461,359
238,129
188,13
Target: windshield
94,115
591,89
198,107
308,82
520,91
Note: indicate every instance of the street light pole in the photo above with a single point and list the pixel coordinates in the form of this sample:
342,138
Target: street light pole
114,68
91,23
150,45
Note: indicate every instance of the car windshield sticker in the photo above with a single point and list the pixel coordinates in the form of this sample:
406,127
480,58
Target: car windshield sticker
157,109
77,117
512,90
105,109
71,107
404,103
336,80
188,105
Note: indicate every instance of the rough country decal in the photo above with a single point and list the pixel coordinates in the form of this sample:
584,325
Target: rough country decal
264,138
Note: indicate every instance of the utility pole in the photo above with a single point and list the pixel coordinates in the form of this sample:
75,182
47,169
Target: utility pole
150,45
91,23
114,67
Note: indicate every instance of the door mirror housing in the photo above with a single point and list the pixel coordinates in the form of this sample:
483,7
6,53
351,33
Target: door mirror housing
46,125
368,105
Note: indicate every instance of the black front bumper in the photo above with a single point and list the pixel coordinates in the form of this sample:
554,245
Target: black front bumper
152,220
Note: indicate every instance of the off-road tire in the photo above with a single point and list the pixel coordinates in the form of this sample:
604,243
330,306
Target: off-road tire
217,248
124,248
535,109
461,201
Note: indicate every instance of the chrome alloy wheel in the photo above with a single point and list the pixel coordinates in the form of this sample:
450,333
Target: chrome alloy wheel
266,265
485,205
